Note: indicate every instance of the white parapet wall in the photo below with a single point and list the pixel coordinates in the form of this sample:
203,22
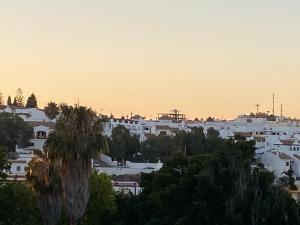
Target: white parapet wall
154,166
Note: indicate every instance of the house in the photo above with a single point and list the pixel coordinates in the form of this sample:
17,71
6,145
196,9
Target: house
277,162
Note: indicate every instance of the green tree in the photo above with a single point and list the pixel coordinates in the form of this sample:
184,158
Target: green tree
218,187
4,164
18,205
52,110
15,102
1,99
19,99
13,131
193,142
77,138
31,101
122,145
43,176
288,180
9,100
157,148
102,206
210,119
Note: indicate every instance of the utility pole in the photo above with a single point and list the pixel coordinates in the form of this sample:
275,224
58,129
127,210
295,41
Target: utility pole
281,111
257,108
273,110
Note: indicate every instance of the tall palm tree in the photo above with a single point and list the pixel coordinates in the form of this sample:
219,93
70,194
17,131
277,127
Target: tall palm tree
77,138
44,177
52,110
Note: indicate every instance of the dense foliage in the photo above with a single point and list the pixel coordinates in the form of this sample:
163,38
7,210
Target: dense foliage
18,205
69,149
52,110
205,180
102,206
122,145
31,101
218,187
13,131
4,164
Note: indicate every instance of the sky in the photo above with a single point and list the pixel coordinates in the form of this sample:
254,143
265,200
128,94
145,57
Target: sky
203,57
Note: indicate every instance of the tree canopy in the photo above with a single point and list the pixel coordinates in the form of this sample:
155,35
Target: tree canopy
31,101
18,205
52,110
9,101
1,99
4,164
13,131
122,145
77,138
19,99
219,187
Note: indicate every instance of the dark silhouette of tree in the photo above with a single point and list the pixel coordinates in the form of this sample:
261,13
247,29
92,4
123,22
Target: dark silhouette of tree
77,139
52,110
1,99
102,206
15,102
157,148
219,187
14,131
19,99
4,164
18,204
9,100
122,145
31,101
210,119
43,176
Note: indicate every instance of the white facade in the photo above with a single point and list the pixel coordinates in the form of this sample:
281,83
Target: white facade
41,125
28,114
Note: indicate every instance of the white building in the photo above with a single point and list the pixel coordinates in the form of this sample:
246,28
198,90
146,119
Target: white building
41,126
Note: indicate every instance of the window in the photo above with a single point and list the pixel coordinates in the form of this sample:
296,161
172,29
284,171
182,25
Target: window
287,163
41,135
18,168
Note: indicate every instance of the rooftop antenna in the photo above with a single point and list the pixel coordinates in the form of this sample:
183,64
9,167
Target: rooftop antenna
257,108
273,110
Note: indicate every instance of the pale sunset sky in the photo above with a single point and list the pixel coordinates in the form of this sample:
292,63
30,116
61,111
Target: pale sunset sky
204,57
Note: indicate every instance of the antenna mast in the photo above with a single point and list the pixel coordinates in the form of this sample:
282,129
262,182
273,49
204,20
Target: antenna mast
273,110
257,108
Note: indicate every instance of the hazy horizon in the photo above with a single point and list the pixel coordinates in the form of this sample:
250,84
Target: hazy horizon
205,58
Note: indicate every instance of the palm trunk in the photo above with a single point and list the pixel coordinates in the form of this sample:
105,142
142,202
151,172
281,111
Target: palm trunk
76,189
50,205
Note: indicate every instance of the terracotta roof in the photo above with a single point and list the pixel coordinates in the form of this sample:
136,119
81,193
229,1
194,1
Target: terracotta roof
288,142
165,118
137,117
260,139
297,156
243,134
51,125
162,127
282,155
